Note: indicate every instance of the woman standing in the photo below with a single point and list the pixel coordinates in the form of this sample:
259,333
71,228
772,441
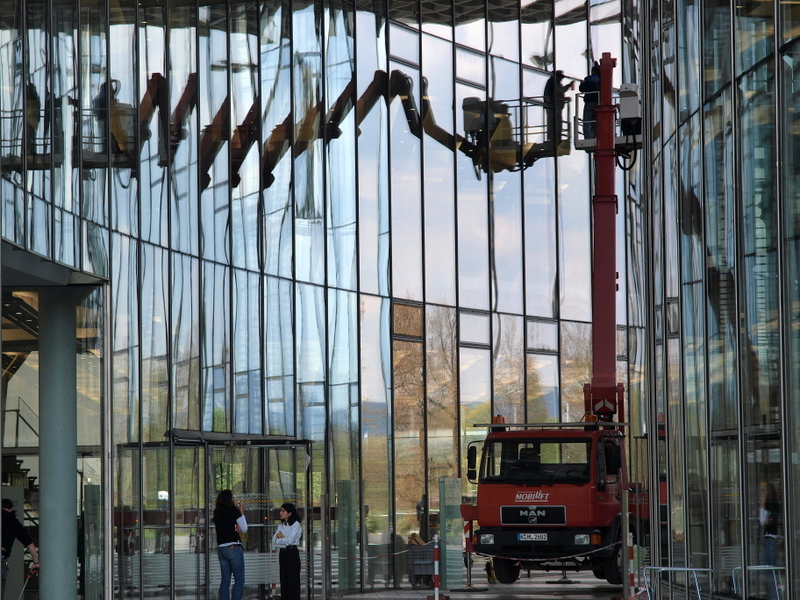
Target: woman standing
229,521
286,538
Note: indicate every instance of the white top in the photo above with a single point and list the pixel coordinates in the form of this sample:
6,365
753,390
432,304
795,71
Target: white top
287,535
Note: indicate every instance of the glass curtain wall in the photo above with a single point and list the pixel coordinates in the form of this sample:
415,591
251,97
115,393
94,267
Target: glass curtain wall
354,226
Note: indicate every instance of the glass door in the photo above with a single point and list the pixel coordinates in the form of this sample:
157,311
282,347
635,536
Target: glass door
263,478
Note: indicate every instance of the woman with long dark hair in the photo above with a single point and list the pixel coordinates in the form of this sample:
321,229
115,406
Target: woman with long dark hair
286,538
229,521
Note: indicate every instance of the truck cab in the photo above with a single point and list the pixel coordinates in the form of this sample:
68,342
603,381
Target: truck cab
549,497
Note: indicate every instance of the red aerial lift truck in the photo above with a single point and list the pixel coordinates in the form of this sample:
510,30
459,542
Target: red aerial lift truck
550,496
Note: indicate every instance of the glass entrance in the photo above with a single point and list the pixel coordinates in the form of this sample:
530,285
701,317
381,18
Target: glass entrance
263,477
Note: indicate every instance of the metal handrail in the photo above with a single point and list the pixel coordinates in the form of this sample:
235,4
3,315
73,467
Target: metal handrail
775,576
659,570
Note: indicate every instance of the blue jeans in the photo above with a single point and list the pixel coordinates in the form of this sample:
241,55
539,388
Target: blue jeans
231,562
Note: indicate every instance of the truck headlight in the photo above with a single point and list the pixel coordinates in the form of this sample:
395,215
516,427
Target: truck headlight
487,538
582,539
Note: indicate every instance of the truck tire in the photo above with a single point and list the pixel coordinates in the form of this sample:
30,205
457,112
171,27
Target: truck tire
612,567
506,570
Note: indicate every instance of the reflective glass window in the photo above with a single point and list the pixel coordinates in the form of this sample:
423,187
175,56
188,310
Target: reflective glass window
373,159
502,29
441,380
125,348
509,367
542,335
185,343
405,153
537,34
542,389
689,57
309,218
716,45
245,169
574,238
342,204
310,357
279,347
754,24
155,371
474,328
275,72
576,368
439,174
215,365
248,407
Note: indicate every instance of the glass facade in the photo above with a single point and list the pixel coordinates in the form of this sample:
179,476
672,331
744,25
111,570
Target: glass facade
305,247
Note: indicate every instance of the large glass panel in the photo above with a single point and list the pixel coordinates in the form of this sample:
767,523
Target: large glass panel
215,366
156,542
688,57
308,183
790,144
248,416
475,400
542,389
509,368
214,112
342,203
576,369
276,166
441,380
62,121
185,342
279,356
37,97
755,32
409,437
502,29
760,337
151,140
190,528
127,520
505,203
11,99
155,372
406,181
125,361
245,180
116,104
376,418
344,416
373,155
537,34
473,222
716,45
183,131
574,238
676,455
721,263
541,263
439,174
310,356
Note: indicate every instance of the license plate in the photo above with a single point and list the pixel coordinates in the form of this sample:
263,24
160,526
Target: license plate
532,537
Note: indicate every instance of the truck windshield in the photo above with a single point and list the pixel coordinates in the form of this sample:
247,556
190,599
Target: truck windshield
536,462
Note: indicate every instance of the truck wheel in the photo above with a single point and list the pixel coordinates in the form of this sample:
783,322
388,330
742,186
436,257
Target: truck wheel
599,573
612,567
506,571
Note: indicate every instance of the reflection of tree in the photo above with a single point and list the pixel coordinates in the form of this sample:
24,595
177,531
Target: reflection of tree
509,368
576,368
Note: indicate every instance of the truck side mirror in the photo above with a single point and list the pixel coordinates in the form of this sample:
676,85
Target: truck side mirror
472,460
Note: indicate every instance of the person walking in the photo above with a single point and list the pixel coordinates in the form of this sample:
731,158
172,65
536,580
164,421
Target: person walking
229,521
286,538
14,530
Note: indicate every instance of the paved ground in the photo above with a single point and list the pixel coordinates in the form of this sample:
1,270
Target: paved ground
584,586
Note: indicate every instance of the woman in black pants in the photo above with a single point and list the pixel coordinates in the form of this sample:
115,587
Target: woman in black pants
286,539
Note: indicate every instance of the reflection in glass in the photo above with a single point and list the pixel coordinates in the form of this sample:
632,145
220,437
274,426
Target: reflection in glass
185,343
542,394
248,416
125,348
474,328
441,376
405,175
439,171
215,374
190,530
509,368
155,381
376,417
791,222
279,356
542,335
409,440
576,368
755,32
